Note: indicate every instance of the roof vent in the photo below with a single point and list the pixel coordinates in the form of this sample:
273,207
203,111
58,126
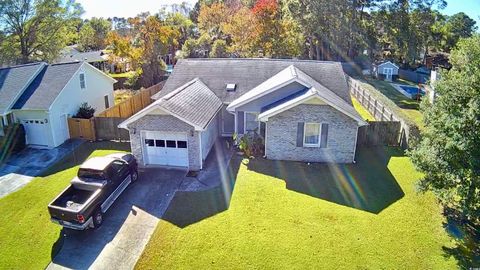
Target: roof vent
231,87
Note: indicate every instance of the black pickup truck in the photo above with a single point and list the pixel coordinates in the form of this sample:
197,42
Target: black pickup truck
99,182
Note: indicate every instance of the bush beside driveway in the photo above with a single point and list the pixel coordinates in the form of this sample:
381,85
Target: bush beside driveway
287,215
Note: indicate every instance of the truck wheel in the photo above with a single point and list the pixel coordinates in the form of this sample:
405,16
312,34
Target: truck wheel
134,176
97,219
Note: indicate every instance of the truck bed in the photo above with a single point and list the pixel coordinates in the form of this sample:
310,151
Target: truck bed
71,202
73,199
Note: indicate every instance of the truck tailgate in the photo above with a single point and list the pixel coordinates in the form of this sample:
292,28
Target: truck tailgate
71,202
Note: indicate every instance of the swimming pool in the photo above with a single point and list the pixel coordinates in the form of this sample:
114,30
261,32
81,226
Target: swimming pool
412,90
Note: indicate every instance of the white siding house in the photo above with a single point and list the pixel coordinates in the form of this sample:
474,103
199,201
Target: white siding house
56,94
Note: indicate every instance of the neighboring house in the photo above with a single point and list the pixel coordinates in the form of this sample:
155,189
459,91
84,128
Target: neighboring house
303,109
387,71
42,97
97,59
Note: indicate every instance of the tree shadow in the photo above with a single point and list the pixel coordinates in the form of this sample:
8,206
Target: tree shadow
78,155
466,250
367,185
189,207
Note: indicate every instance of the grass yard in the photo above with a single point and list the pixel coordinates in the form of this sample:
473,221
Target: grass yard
366,115
285,215
28,238
409,106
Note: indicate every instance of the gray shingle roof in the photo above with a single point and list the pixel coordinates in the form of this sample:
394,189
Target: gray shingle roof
45,88
89,57
13,80
249,73
193,102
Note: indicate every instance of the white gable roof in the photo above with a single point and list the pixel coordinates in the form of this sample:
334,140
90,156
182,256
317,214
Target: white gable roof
388,63
287,76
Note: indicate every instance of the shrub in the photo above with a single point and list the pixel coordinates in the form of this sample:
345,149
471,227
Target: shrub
251,144
85,111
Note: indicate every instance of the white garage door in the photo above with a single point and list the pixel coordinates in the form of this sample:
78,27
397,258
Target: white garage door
168,149
36,132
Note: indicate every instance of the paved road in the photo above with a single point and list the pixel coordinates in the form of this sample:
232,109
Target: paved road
127,226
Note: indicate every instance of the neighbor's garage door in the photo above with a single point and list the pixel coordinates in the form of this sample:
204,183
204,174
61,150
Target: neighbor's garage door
169,149
36,132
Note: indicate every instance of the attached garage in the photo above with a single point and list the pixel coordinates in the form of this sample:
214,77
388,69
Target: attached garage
165,148
36,131
178,130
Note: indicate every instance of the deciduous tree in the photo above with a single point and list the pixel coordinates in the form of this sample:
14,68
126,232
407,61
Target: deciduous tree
36,29
449,153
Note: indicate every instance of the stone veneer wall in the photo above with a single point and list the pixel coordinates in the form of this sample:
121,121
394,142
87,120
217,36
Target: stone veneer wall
281,138
165,123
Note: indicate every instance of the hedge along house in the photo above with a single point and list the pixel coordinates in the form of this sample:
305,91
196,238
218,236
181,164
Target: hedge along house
387,71
303,110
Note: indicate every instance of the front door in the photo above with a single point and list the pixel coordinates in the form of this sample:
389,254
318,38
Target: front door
228,123
388,74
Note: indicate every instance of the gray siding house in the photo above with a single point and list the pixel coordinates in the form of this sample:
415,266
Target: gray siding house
303,110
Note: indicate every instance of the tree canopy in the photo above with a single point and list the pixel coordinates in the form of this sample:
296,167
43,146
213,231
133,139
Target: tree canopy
449,153
35,29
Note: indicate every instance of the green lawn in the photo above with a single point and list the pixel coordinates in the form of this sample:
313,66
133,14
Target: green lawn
366,115
410,108
27,237
285,215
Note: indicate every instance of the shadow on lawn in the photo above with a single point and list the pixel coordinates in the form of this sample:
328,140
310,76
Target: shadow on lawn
467,240
189,207
367,185
80,154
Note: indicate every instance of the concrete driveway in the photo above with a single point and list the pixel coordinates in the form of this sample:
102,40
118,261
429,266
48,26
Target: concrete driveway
22,167
127,226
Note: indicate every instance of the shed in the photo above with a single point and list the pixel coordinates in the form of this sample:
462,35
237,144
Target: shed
387,71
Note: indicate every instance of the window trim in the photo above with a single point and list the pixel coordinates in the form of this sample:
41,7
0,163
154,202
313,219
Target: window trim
84,80
245,121
317,145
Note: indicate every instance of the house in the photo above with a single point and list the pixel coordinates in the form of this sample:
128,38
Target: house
303,109
387,71
98,59
42,97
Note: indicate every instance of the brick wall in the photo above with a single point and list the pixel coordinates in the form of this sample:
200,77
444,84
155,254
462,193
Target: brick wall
281,135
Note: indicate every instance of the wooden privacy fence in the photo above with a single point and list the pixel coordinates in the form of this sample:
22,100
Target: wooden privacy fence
106,128
379,133
82,128
373,106
105,125
134,104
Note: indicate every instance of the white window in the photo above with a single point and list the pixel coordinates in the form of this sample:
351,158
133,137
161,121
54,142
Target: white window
311,135
251,122
82,81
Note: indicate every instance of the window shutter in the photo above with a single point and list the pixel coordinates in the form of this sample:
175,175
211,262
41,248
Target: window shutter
300,130
240,120
324,138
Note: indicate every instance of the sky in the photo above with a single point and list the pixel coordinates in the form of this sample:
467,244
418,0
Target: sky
130,8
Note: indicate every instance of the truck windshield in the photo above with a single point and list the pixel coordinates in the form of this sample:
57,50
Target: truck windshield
90,174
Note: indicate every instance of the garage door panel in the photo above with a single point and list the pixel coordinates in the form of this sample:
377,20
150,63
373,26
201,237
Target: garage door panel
36,132
169,149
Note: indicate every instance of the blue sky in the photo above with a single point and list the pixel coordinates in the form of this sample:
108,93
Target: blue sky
130,8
